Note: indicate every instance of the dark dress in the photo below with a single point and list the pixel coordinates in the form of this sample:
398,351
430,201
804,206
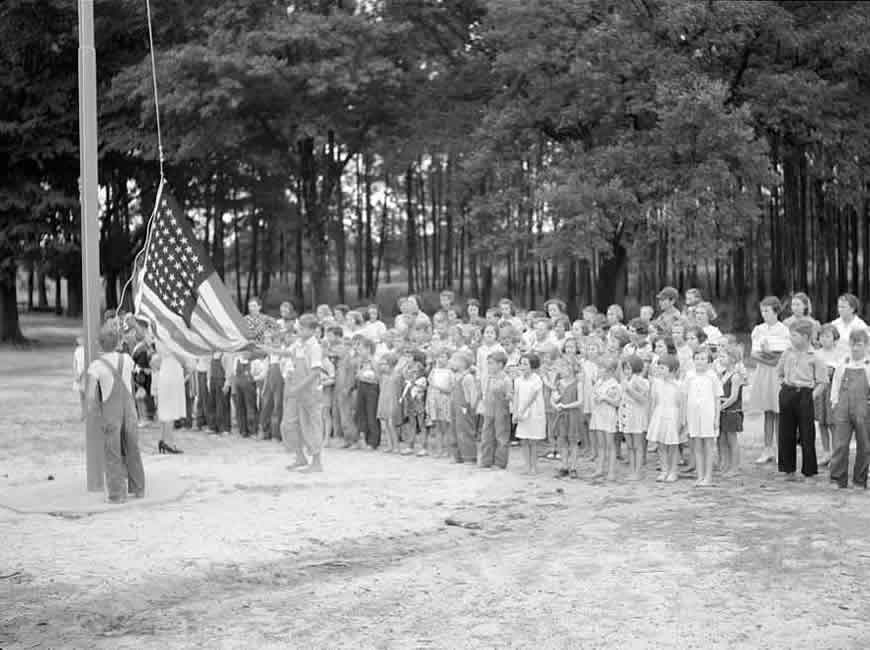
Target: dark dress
731,418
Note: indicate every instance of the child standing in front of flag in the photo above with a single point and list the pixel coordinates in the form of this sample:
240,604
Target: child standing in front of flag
303,397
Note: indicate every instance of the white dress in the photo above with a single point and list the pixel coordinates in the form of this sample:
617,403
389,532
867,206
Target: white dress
531,423
171,399
703,392
664,424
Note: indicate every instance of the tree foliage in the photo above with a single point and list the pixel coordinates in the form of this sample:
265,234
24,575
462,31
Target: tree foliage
587,147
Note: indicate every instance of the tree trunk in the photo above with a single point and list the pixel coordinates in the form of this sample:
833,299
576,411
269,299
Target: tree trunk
10,328
41,289
217,246
411,229
237,260
612,277
360,234
58,301
340,245
741,317
448,209
369,245
31,284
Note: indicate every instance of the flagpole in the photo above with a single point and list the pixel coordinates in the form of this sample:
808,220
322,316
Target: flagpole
89,196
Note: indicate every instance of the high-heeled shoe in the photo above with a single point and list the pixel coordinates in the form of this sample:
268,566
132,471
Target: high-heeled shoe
165,448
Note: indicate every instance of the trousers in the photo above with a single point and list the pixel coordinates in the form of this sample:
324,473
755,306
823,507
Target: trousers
796,416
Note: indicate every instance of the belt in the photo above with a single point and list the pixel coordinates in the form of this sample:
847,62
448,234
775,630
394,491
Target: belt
798,388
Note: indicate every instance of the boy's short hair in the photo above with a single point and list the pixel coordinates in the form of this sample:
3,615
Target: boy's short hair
546,321
288,305
533,359
108,337
858,336
256,300
590,309
308,322
472,302
448,294
669,293
335,330
499,357
341,309
830,329
804,328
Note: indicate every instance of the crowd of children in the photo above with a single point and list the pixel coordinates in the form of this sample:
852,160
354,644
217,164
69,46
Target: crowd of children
468,384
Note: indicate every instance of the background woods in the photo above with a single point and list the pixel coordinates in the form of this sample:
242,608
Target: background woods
325,149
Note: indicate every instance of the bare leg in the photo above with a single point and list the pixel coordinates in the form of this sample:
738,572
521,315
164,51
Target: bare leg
674,464
698,452
709,451
734,453
612,442
533,455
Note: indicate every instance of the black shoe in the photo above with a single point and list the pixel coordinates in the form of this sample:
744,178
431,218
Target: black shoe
164,448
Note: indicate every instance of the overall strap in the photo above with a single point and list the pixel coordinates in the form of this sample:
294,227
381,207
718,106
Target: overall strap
116,372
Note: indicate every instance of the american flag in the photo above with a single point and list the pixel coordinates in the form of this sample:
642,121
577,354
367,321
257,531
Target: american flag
179,292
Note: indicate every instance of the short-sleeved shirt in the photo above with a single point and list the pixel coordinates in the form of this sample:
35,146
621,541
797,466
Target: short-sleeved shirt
104,375
801,369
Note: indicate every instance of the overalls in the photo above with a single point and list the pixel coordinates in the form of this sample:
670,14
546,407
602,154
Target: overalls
496,433
462,444
303,415
850,414
117,419
218,413
245,396
273,401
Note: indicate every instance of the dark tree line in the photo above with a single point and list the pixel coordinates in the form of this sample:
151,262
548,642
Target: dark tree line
592,149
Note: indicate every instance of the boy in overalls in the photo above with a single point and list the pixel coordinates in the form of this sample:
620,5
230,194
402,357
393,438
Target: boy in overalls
110,401
303,397
850,391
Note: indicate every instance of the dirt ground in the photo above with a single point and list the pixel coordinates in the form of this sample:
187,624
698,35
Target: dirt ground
361,557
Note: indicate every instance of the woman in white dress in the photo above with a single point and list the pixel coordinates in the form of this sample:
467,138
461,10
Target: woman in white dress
171,398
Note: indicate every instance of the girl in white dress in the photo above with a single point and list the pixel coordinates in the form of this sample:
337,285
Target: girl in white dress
530,412
703,395
666,400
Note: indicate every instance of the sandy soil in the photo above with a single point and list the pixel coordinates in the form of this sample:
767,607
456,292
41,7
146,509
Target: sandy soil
362,557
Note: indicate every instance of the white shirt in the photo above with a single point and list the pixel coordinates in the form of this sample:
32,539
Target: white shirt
844,331
104,375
